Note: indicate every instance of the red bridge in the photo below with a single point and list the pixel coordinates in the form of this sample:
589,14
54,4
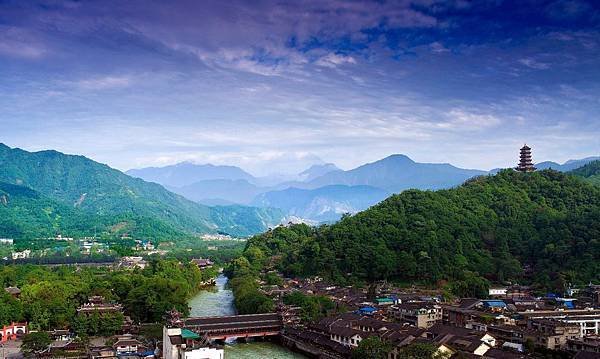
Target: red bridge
236,326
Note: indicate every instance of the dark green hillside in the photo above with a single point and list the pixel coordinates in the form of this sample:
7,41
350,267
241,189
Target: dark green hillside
27,214
590,172
542,227
80,183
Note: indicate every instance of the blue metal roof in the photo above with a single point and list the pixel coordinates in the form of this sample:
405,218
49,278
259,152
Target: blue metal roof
494,303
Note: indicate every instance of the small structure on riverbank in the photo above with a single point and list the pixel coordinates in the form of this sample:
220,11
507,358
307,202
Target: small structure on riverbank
202,263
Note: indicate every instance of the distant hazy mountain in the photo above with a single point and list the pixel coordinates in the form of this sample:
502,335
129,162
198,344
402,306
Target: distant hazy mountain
322,204
567,166
397,173
316,171
126,202
186,173
220,191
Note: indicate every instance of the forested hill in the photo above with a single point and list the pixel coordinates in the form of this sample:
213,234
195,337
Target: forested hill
540,227
590,172
96,189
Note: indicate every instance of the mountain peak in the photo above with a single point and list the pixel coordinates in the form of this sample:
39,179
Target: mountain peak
396,159
317,170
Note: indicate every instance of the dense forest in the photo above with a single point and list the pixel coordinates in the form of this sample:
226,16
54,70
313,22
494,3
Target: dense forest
50,296
74,195
541,228
590,172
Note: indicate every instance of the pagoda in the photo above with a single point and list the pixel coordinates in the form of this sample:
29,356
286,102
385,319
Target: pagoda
525,164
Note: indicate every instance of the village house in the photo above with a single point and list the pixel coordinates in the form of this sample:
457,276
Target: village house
588,320
21,255
202,263
13,291
129,262
128,344
102,352
588,344
6,241
552,334
497,291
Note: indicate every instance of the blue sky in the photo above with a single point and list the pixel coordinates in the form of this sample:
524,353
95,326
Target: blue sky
274,86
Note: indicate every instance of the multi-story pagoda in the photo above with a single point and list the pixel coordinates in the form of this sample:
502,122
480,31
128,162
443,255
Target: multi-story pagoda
525,164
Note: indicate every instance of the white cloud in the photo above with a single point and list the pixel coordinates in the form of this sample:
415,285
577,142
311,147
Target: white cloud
105,82
534,64
334,60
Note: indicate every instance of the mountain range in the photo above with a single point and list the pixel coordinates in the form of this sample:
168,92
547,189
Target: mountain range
75,186
323,192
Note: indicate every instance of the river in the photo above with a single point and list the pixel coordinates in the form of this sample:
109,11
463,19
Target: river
218,300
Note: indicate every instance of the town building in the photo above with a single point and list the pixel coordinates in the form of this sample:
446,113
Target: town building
587,344
421,315
588,320
181,343
127,344
6,241
22,254
498,292
129,262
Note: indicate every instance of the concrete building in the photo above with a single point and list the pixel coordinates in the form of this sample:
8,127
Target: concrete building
421,315
184,344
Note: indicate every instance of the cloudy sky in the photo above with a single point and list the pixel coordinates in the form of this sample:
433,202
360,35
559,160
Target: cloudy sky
274,85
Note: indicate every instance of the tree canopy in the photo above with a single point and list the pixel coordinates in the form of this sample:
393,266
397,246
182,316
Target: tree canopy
525,227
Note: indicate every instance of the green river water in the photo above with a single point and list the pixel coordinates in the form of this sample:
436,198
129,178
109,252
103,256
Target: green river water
219,301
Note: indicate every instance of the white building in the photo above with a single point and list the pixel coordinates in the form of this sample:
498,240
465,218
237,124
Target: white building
498,291
21,255
175,346
6,241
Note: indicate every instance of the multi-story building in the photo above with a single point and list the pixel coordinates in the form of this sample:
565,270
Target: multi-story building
421,315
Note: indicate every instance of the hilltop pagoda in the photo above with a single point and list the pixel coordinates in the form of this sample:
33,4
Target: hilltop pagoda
525,164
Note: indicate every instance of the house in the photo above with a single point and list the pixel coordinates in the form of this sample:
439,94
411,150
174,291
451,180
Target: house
494,305
347,336
367,310
587,344
14,291
21,255
128,344
104,352
181,343
60,335
130,262
498,292
553,334
203,263
62,349
421,315
6,241
451,340
588,320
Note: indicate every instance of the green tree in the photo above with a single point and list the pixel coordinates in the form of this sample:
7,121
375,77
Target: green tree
371,348
35,342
